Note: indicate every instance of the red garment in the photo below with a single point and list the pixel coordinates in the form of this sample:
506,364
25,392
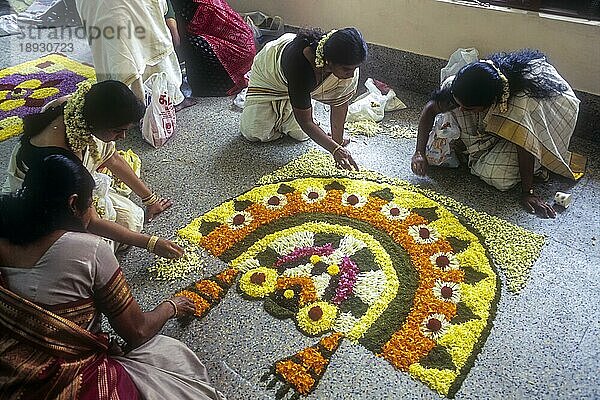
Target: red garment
228,35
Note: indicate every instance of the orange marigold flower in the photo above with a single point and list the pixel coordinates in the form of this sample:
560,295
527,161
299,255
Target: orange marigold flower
209,288
296,375
308,293
202,306
228,276
313,360
331,342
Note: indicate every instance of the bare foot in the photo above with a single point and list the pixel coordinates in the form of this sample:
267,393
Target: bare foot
187,102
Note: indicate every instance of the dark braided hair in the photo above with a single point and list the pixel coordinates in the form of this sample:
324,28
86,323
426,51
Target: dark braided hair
311,36
41,206
108,104
479,85
345,47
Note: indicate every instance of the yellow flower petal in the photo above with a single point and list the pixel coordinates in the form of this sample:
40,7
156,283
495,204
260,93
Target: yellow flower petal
3,94
44,93
11,126
10,105
29,84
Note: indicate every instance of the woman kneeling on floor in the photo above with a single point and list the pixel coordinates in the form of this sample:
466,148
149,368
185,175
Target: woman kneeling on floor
290,71
84,126
55,282
516,116
216,45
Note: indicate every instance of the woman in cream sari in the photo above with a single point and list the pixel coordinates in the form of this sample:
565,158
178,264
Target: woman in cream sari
56,282
130,41
516,116
84,127
290,71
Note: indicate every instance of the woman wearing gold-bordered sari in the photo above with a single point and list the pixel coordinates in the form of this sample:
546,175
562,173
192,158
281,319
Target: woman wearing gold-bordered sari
291,71
85,125
516,116
56,282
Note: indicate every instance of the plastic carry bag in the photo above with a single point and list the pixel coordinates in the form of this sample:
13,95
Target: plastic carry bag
102,202
159,120
457,60
439,148
373,104
264,28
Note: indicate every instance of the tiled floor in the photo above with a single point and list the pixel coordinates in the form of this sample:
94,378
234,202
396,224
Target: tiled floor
544,343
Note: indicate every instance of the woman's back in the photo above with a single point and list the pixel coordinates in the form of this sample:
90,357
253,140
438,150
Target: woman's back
73,268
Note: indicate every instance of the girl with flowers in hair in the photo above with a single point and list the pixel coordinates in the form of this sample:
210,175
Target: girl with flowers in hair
291,71
84,127
516,116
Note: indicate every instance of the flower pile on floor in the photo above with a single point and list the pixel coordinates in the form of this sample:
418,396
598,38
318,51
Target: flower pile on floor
378,264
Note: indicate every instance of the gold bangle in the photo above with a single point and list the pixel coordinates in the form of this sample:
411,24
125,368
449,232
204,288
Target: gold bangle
152,243
174,307
152,199
148,197
339,146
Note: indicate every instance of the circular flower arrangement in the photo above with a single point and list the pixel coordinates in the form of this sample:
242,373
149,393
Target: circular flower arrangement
313,194
361,260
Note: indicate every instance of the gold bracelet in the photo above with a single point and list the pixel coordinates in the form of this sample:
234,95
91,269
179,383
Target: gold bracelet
152,243
148,197
339,146
152,199
174,307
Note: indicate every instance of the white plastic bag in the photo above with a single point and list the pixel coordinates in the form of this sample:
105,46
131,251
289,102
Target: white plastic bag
102,202
159,120
439,149
372,104
240,99
457,60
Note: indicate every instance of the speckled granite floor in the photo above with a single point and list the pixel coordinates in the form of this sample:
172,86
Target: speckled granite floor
544,343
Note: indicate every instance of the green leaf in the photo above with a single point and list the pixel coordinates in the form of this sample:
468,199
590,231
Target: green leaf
241,205
458,245
285,189
438,358
324,238
463,314
430,213
276,310
385,194
472,276
355,306
206,227
335,186
267,258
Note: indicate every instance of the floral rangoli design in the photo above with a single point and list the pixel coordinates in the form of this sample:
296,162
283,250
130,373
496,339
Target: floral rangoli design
352,259
28,87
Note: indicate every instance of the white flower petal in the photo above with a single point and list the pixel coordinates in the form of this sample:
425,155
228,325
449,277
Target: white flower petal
321,283
344,323
369,286
301,270
287,244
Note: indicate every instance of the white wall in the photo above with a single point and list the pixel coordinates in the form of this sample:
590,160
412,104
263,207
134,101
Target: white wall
437,27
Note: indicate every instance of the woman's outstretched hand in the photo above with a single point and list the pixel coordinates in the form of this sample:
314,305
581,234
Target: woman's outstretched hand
536,205
156,208
184,305
419,164
343,159
167,249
